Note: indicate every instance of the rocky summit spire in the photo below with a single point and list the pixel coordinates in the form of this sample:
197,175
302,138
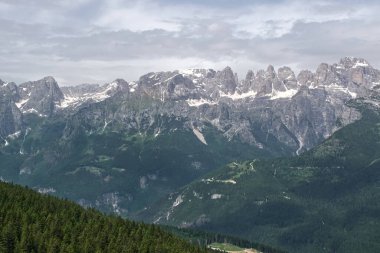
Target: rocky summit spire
306,77
270,73
227,80
287,77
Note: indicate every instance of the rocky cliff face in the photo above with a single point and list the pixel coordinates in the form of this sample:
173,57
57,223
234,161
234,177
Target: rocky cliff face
265,107
10,115
298,112
40,96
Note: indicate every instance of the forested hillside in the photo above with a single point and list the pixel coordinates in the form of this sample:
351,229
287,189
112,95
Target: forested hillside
31,222
325,200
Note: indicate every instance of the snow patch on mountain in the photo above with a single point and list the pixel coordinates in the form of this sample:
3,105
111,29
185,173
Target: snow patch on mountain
157,132
335,87
238,96
25,171
199,102
360,64
14,135
191,72
216,196
72,99
6,143
22,102
283,94
133,86
199,135
34,111
301,145
212,180
178,201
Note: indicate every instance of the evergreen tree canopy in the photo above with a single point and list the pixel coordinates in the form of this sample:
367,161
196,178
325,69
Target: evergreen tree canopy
31,222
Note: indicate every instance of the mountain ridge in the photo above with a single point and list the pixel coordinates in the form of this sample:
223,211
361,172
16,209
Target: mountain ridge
200,90
122,146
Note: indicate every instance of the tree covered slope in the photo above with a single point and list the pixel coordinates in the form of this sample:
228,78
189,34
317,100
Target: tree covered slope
31,222
326,200
115,171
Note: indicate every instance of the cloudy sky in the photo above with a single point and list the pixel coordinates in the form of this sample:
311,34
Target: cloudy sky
96,41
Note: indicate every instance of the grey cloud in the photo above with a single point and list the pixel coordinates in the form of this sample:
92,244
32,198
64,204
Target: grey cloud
222,3
75,49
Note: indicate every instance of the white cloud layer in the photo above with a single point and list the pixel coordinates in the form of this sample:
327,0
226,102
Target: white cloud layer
98,40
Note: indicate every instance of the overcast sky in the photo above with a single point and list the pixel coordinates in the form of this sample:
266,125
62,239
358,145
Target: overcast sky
97,41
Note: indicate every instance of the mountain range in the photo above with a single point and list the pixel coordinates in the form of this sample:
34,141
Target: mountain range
298,112
140,149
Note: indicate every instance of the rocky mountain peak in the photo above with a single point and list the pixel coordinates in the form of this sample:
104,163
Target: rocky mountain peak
306,77
10,115
8,91
170,85
196,74
287,77
250,75
321,73
50,84
286,73
226,80
50,80
120,81
178,86
119,85
247,83
40,96
227,70
354,62
270,73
